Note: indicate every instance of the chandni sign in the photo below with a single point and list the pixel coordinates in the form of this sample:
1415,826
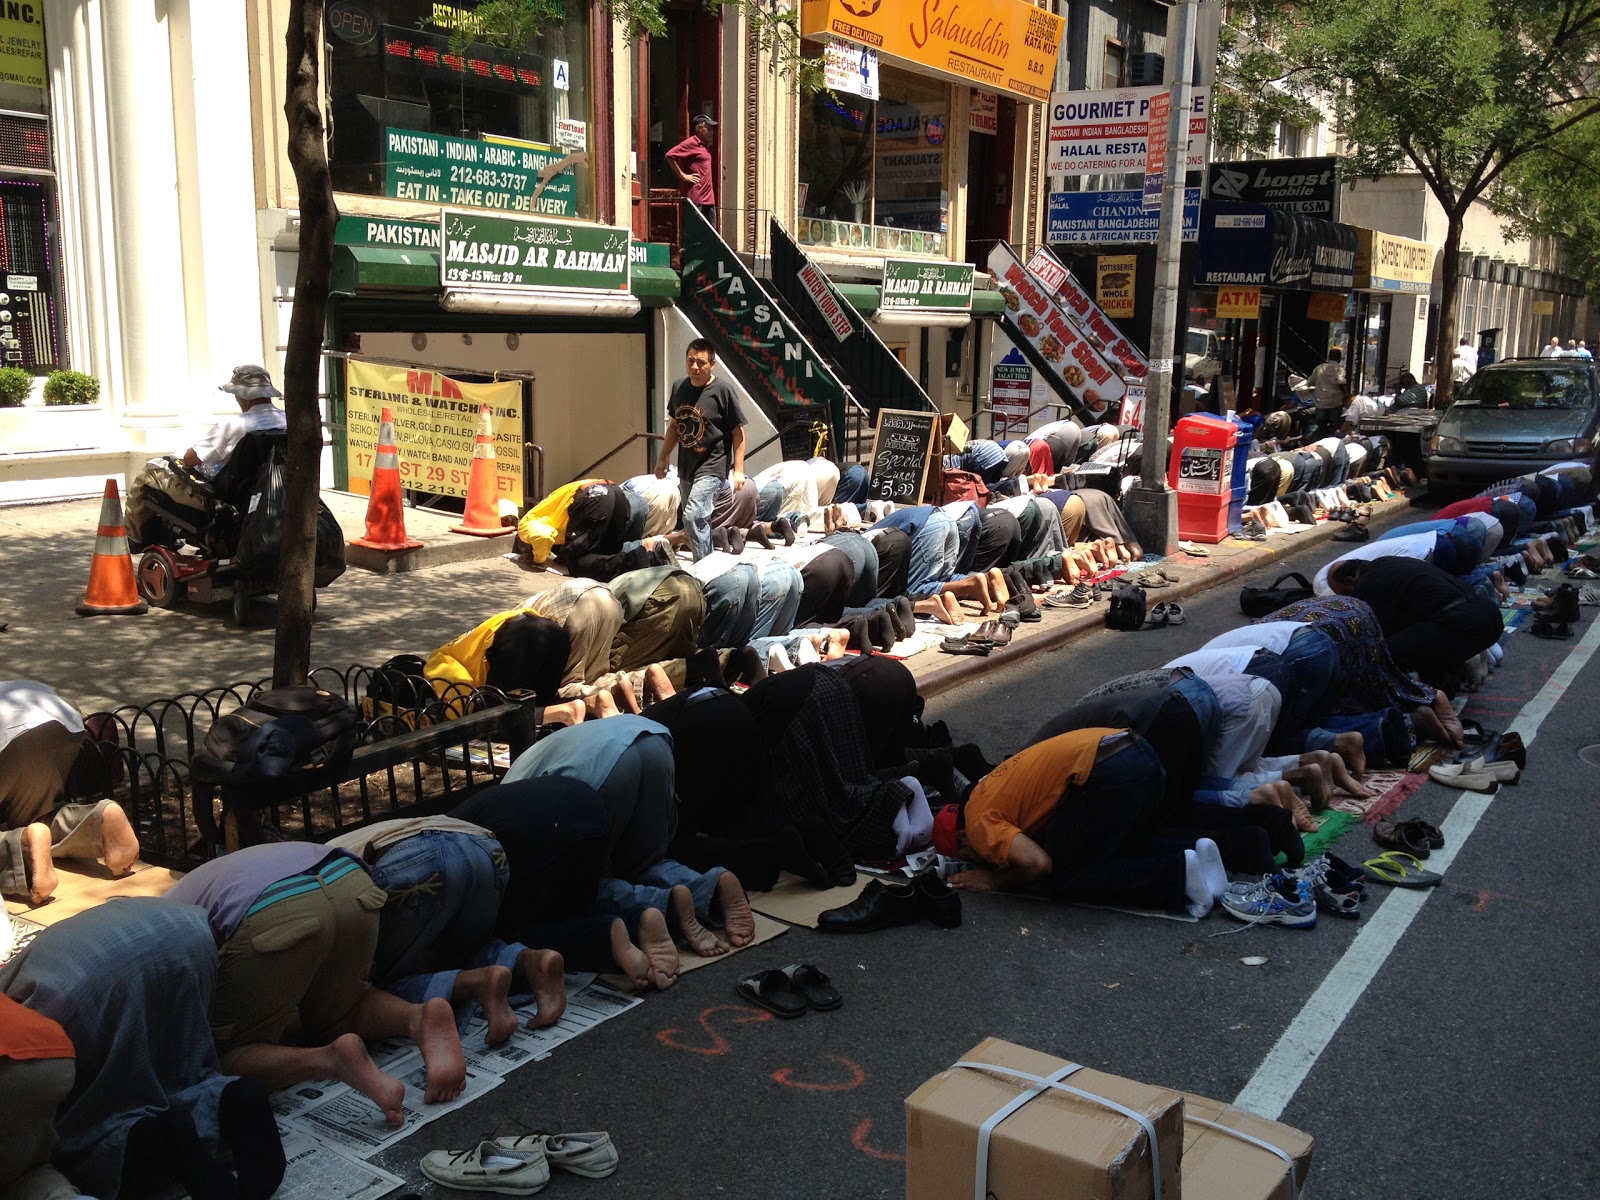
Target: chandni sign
998,45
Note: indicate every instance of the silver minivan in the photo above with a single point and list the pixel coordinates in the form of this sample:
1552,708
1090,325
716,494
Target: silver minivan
1516,416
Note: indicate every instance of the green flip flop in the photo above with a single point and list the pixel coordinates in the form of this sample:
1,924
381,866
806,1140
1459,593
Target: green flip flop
1399,869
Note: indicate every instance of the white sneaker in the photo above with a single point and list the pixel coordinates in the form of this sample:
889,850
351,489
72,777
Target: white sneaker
591,1155
488,1167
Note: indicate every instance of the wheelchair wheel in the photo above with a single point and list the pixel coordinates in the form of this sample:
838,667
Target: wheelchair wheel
241,607
158,582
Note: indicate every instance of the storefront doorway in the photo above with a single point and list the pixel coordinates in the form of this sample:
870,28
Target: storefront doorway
676,78
991,158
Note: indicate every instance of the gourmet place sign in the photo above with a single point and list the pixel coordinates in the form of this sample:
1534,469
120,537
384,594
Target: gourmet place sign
1107,132
1044,327
999,45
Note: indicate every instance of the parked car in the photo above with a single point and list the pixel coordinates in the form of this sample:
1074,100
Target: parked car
1202,355
1516,416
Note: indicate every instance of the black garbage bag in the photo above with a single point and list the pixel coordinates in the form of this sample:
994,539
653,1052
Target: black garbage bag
261,533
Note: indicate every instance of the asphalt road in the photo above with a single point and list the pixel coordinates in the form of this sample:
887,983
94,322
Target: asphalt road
1442,1046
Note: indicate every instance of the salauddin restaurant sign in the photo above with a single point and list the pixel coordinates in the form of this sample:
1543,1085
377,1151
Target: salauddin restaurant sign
998,45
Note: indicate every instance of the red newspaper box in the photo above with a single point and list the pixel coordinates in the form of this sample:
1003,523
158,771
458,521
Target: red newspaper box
1201,472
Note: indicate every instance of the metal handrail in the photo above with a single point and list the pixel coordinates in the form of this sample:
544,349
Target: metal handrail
617,449
528,450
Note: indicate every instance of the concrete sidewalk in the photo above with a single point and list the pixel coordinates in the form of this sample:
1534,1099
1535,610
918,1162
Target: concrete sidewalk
104,662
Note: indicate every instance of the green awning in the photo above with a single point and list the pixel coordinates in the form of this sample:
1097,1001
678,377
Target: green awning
655,286
371,268
988,304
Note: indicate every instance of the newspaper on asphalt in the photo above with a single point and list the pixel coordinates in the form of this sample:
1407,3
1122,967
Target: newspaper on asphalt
318,1172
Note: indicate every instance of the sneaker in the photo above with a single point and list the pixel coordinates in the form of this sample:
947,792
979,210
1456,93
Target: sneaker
1333,891
592,1155
488,1167
1264,902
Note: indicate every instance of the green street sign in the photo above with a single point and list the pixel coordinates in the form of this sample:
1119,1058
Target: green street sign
514,252
501,173
930,287
387,233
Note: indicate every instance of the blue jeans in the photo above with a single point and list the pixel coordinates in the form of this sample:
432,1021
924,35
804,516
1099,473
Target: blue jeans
781,586
653,889
853,487
1460,549
1310,662
699,500
444,891
732,603
769,502
934,553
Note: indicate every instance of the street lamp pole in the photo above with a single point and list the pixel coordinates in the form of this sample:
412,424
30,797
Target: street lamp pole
1152,507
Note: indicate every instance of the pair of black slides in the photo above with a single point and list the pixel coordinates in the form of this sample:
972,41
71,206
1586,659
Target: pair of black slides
790,991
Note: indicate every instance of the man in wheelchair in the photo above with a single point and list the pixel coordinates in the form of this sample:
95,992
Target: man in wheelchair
172,499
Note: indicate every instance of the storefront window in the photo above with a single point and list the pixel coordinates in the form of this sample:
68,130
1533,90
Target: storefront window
422,110
874,174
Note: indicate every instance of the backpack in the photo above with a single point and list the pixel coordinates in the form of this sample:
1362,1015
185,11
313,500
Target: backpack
964,485
1263,601
279,731
1127,607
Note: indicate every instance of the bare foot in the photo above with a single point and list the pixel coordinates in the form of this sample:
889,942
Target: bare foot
490,987
353,1065
569,712
1069,567
997,585
434,1029
699,939
952,609
622,693
41,867
1429,727
657,684
120,842
659,949
629,958
738,922
602,705
542,970
835,644
1351,752
1445,711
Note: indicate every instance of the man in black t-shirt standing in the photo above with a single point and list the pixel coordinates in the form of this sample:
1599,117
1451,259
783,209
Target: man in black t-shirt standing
705,424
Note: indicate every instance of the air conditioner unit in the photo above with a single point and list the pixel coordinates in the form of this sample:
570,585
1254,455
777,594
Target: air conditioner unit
1145,69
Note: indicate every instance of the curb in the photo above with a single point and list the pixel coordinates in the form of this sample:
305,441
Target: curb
965,669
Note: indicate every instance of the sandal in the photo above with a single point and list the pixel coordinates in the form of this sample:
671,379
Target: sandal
815,988
1398,869
1400,837
773,991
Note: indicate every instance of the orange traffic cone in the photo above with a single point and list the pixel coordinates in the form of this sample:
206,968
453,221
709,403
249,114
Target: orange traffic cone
482,518
112,592
386,514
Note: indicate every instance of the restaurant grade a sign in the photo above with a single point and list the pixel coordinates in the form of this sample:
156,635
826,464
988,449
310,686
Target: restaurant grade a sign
998,45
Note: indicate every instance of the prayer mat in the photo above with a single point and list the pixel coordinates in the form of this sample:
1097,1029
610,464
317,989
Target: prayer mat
1394,789
82,886
1331,826
797,902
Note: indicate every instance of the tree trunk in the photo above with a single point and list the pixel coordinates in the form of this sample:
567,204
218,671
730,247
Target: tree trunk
302,367
1444,335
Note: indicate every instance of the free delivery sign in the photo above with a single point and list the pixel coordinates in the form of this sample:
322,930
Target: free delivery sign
1106,132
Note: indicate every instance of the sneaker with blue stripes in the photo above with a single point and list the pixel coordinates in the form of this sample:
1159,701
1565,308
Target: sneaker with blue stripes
1272,900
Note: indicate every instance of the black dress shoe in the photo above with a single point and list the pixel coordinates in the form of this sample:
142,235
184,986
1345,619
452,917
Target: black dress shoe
881,906
938,901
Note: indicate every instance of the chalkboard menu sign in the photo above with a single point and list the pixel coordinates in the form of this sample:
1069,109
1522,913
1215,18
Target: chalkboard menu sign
903,449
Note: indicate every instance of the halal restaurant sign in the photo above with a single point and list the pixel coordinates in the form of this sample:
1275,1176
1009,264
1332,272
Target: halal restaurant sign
997,45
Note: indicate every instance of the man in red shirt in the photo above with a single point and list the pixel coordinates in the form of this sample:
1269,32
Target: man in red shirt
691,159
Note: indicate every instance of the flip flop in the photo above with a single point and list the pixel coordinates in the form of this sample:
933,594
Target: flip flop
773,992
1195,549
1398,869
815,988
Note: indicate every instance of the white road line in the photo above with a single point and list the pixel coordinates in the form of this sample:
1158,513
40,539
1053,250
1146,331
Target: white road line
1289,1062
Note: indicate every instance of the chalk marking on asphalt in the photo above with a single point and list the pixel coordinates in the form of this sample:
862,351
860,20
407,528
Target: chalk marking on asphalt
1290,1060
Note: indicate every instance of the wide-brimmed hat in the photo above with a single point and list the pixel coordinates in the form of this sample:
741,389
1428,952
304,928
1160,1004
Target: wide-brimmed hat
250,382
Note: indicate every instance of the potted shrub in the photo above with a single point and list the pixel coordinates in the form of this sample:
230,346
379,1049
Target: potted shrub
71,387
16,386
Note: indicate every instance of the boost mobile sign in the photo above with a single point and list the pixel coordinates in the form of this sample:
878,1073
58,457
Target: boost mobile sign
1309,186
